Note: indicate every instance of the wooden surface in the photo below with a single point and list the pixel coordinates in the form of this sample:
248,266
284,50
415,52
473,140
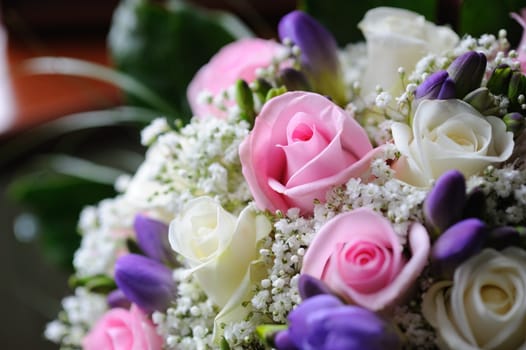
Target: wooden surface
30,29
39,98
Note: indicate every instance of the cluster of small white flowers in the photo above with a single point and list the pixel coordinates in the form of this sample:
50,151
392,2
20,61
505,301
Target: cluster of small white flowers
415,328
396,200
241,335
189,323
283,253
505,192
80,312
353,59
151,132
224,100
202,159
104,230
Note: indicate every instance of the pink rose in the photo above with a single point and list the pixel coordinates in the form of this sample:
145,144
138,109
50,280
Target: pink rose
237,60
302,144
121,329
521,49
358,255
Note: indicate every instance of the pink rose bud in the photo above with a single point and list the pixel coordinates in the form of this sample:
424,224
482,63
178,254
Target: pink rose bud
359,256
238,60
121,329
521,49
302,145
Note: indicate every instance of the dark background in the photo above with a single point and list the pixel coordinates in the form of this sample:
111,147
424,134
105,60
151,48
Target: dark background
32,283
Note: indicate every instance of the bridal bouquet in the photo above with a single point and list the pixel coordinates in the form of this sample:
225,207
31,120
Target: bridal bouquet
370,197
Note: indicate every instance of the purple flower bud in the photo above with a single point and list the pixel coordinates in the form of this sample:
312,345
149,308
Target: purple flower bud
282,341
467,71
437,86
323,322
319,53
309,286
502,237
475,206
514,122
457,244
118,299
144,281
294,80
152,238
445,202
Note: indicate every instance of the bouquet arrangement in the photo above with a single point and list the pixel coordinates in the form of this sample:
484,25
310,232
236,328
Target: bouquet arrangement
369,197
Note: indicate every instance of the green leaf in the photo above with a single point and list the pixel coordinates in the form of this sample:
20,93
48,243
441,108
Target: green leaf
76,67
32,139
341,17
164,46
489,16
266,332
98,283
224,344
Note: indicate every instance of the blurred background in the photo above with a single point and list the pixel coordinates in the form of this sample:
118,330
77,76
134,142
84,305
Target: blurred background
64,138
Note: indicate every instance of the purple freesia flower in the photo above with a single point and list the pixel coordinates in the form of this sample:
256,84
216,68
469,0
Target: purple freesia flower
445,202
294,79
282,341
152,238
319,53
503,236
322,322
437,86
117,299
461,241
309,286
144,281
514,122
467,72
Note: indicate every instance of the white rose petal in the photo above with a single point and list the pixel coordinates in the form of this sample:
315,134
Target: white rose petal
221,250
483,308
398,38
449,134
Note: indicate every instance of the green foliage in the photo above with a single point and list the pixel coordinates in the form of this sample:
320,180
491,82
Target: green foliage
476,17
164,46
341,17
98,284
489,16
57,199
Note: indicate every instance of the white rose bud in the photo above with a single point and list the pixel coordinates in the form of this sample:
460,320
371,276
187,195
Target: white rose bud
398,38
221,250
483,308
445,135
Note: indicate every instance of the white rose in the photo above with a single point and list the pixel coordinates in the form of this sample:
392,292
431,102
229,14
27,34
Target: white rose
398,38
485,305
445,135
221,250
